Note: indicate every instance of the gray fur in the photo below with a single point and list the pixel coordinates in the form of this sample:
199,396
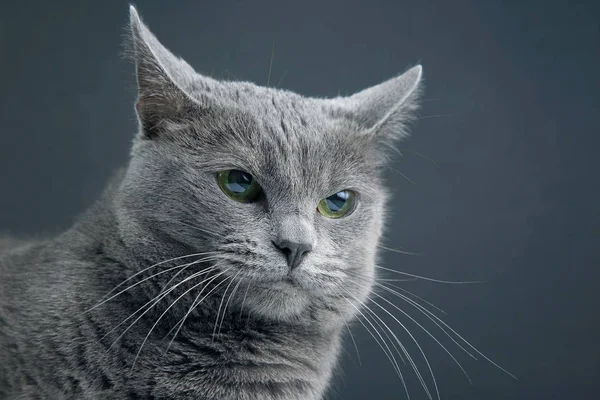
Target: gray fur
280,332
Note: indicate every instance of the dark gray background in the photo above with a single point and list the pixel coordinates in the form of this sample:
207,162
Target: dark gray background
511,120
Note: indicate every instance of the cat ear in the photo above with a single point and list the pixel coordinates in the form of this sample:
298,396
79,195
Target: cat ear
161,79
384,111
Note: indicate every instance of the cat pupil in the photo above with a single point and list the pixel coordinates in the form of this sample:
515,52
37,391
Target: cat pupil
336,202
238,181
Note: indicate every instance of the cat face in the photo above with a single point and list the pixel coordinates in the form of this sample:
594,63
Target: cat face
285,190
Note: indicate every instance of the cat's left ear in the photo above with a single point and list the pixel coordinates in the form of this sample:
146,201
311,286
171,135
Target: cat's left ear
384,111
162,78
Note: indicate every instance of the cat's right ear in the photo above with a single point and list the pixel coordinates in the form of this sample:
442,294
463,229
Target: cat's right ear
161,78
383,112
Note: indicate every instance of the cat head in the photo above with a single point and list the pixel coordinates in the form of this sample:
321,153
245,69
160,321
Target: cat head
286,190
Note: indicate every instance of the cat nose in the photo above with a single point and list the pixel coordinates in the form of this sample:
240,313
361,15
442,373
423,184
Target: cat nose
294,251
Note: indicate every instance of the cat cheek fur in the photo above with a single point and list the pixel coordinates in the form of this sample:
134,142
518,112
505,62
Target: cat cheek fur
164,234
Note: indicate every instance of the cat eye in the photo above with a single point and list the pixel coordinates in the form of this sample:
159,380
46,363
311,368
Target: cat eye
239,185
337,205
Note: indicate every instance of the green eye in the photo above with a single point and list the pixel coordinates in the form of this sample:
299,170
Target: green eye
239,185
337,205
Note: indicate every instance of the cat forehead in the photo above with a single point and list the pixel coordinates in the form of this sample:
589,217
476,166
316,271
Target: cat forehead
268,104
273,120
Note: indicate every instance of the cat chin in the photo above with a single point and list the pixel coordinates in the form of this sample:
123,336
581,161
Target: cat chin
279,301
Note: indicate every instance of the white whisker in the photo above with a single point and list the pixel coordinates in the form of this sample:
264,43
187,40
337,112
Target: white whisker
418,297
152,266
155,301
165,312
398,251
146,279
410,360
425,278
219,310
416,343
426,312
466,342
353,341
228,300
195,303
183,270
244,300
389,354
374,281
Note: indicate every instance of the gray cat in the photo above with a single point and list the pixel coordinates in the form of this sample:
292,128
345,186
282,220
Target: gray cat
225,261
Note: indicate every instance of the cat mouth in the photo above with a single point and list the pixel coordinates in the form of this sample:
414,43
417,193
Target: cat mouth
290,280
285,282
